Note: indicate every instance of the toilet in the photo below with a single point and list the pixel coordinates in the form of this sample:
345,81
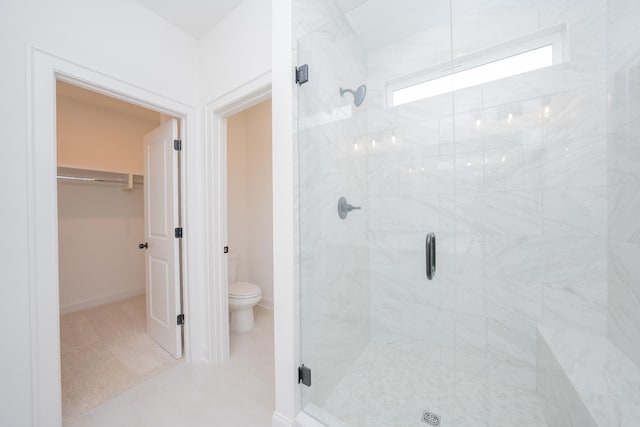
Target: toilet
242,297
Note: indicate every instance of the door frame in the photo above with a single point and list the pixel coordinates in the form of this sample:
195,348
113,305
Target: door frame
216,113
44,69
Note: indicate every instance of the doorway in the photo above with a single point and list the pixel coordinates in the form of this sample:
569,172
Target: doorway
206,333
249,207
119,252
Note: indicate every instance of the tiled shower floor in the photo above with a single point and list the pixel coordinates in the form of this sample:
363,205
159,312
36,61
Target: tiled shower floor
392,383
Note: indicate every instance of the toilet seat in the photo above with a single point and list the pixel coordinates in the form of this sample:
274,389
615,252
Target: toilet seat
244,290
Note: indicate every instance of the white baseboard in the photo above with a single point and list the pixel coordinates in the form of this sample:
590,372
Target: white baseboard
106,299
266,304
279,420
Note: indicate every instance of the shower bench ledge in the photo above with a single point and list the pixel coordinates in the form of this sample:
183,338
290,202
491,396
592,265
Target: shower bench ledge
585,380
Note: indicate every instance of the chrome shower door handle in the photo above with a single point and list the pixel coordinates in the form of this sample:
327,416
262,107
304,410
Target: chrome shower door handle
430,255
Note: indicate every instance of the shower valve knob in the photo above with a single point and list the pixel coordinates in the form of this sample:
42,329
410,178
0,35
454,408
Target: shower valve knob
344,208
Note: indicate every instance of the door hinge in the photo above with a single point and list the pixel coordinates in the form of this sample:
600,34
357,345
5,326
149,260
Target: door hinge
302,74
177,144
178,233
304,375
180,319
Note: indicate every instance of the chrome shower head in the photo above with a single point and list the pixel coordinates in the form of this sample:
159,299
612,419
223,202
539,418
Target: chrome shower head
358,94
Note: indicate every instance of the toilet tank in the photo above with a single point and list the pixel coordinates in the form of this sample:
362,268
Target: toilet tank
232,266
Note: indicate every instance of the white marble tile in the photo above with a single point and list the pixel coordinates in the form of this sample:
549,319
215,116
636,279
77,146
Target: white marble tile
429,323
513,212
471,334
408,213
624,297
575,261
494,22
514,299
602,380
624,154
470,174
490,129
470,254
622,28
512,340
410,173
411,382
575,163
575,114
386,317
576,308
577,213
624,182
561,404
517,258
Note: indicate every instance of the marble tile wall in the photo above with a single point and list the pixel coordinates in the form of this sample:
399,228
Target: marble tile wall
532,196
519,204
623,156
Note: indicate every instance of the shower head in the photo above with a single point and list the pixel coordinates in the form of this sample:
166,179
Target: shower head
358,94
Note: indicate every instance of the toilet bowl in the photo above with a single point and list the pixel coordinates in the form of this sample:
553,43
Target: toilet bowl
243,296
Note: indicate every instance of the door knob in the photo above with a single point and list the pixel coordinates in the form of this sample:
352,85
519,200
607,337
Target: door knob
144,245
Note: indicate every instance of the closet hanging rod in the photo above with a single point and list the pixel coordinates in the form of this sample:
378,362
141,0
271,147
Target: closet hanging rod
86,179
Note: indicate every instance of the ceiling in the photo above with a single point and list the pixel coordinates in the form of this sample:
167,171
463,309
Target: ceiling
195,17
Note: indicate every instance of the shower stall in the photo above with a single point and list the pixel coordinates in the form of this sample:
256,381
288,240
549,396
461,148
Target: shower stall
508,130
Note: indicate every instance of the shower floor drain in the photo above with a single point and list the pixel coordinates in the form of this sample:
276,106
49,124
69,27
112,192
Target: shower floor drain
430,418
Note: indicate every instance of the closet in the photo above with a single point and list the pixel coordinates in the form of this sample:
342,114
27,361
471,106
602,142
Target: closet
100,197
105,348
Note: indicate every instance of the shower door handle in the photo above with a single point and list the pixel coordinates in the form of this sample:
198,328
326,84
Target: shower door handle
430,255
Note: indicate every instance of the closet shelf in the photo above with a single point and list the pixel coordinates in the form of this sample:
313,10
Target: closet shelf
76,174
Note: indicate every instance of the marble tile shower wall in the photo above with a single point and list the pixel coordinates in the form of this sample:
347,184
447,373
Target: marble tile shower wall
624,176
333,252
512,177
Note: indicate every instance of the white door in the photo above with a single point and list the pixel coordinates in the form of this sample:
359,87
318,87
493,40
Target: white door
162,263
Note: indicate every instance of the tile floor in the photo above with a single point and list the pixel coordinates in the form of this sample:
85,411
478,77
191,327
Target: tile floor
239,394
104,351
391,384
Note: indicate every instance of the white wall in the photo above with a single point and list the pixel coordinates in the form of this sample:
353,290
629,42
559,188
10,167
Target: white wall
260,199
125,41
103,135
100,225
237,50
286,319
99,228
237,192
117,38
249,196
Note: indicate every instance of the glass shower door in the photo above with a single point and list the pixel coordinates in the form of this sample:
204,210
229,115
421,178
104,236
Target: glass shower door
374,329
480,122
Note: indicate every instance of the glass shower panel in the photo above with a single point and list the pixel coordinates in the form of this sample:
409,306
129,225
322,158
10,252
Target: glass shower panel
334,258
374,330
509,172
